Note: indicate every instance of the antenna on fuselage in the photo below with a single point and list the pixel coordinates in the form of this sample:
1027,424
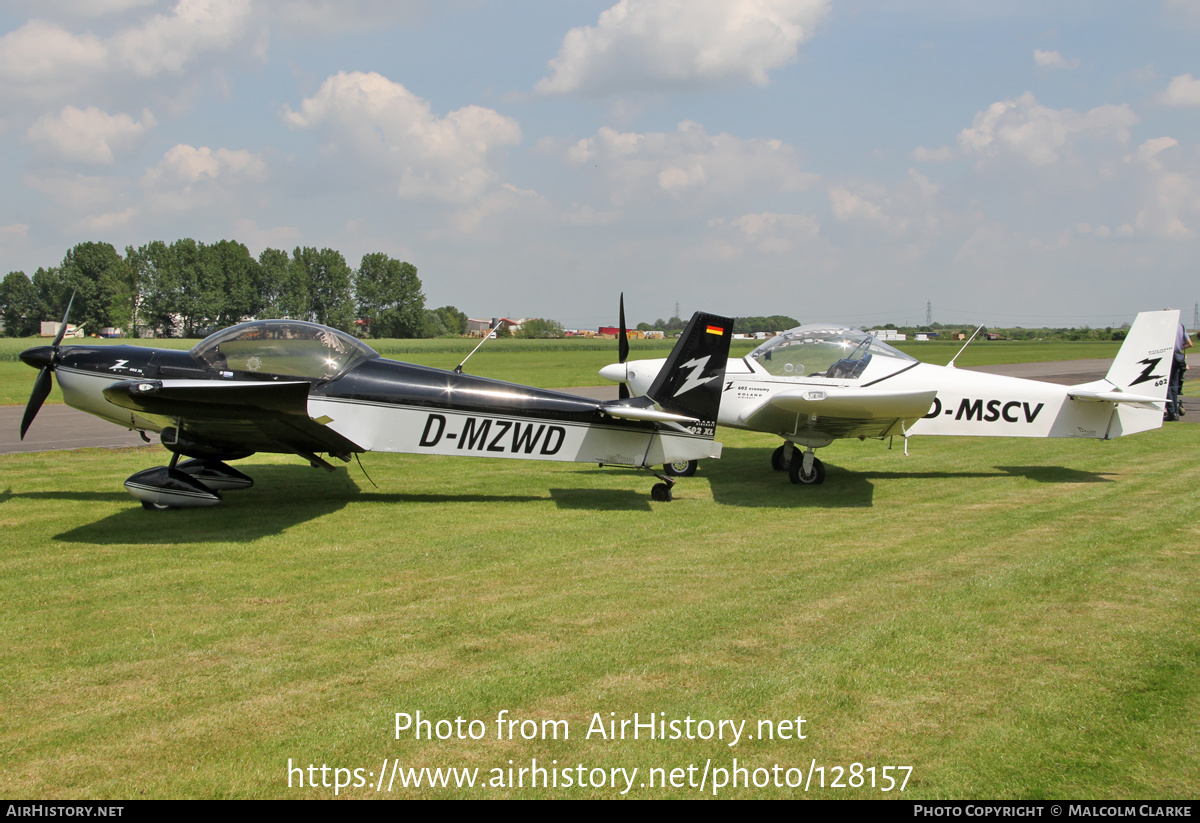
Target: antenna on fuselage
487,334
950,365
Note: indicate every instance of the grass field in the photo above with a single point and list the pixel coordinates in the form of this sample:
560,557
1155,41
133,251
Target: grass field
1009,618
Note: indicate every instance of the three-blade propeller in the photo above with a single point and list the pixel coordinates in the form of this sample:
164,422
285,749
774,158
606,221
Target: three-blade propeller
44,382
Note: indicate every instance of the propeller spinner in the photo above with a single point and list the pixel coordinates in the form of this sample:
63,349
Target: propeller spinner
44,358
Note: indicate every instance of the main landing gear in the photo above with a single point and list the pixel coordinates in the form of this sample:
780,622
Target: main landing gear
803,468
190,484
680,468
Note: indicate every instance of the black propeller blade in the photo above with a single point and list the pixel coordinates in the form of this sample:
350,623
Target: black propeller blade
41,390
623,352
42,386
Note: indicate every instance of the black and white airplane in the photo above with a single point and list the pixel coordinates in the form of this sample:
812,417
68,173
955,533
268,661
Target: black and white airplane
289,386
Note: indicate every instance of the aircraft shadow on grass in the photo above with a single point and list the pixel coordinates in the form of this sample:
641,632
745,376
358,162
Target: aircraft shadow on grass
739,479
601,499
283,497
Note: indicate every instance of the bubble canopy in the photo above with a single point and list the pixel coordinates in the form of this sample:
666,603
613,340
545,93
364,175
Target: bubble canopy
827,351
283,348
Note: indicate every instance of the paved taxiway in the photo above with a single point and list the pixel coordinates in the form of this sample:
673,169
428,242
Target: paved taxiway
61,427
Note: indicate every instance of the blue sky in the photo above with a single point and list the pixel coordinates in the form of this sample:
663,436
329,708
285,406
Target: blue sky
1010,162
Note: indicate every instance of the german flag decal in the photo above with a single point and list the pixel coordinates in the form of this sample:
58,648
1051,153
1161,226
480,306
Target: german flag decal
715,330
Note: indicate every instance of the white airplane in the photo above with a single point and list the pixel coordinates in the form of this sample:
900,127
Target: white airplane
817,383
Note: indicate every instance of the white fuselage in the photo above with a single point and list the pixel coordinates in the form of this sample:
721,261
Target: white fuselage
966,403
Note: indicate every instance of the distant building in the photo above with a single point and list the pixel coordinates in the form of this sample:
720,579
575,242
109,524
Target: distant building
477,327
50,329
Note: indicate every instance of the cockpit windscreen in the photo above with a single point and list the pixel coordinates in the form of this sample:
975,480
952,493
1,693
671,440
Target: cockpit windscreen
286,348
825,351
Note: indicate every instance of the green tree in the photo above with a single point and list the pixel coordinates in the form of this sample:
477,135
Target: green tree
52,293
230,283
454,321
329,283
105,292
539,328
19,305
390,301
154,270
283,286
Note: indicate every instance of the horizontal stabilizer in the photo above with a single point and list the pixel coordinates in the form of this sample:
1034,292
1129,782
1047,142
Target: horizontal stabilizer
628,412
1138,400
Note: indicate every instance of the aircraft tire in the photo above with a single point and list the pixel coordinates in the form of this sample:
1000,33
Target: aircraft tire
661,493
155,507
680,468
795,471
777,460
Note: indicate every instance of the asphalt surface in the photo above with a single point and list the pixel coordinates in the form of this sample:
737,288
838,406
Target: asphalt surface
61,427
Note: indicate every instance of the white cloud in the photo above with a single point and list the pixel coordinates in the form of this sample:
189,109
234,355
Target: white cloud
1054,60
928,187
773,233
1188,9
321,17
185,165
77,191
169,42
13,231
1173,202
42,59
584,215
688,163
646,45
381,128
501,200
83,8
104,222
1147,152
938,155
1183,90
869,205
1040,135
255,238
87,135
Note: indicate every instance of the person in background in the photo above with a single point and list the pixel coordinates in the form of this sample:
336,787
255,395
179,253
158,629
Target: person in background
1179,365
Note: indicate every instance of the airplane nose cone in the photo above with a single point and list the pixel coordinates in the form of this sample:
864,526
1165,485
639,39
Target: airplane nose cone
39,356
613,371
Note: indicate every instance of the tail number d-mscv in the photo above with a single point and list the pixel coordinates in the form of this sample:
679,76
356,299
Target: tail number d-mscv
987,411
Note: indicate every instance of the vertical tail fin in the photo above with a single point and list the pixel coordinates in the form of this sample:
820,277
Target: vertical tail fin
1143,365
690,381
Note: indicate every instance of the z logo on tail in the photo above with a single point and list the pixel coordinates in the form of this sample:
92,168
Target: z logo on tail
1150,363
694,380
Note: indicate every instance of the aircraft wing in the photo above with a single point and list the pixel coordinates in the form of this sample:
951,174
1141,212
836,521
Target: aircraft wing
254,416
840,411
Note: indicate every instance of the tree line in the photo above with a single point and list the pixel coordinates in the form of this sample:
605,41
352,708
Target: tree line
188,288
741,325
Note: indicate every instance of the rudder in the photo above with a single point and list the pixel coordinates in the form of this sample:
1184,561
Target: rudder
689,383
